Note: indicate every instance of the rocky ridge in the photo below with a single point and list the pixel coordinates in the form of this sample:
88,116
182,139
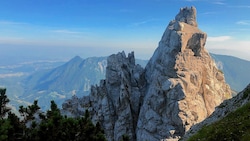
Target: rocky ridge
179,87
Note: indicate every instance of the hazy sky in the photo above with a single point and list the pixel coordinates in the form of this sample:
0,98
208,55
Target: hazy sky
101,27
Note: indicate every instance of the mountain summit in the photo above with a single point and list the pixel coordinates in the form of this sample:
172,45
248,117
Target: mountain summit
184,84
187,15
179,87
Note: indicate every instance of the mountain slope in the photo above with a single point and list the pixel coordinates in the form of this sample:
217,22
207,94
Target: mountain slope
237,127
230,121
73,78
12,77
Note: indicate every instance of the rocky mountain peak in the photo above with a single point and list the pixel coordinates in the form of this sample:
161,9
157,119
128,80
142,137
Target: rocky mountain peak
77,58
187,15
183,78
180,36
179,87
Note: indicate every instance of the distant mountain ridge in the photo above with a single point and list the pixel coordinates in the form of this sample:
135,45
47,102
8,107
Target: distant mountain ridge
72,78
69,74
235,70
76,76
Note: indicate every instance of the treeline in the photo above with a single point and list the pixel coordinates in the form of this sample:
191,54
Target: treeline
34,125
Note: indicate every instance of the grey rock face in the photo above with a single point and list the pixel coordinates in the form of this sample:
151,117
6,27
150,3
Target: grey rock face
184,85
187,15
116,102
179,87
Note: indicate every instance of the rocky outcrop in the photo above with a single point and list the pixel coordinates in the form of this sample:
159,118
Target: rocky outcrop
184,85
116,102
187,15
179,87
222,111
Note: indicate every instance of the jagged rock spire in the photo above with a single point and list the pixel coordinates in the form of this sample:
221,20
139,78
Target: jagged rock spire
187,15
184,84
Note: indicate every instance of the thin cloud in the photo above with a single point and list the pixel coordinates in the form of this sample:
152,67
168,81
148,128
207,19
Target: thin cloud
238,48
3,22
12,40
215,2
143,22
243,29
245,6
240,6
219,3
64,31
18,74
208,13
243,22
219,38
140,23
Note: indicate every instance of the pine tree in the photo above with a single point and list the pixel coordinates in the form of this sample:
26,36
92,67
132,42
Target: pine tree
51,126
16,131
3,103
4,127
29,121
28,113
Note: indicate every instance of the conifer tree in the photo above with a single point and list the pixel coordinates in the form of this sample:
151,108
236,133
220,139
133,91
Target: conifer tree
51,126
29,112
3,103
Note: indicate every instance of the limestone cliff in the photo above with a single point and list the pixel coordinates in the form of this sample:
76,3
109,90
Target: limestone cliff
116,102
182,78
179,87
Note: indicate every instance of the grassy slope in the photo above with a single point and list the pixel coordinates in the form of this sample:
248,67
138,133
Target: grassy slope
235,126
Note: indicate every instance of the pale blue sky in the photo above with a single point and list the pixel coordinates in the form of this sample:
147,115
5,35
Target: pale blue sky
99,28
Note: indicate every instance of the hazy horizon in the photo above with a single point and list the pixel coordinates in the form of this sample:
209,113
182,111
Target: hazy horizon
63,29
